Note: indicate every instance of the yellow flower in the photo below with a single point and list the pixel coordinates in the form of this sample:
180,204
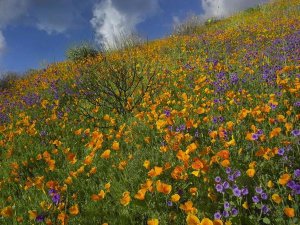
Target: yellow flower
284,179
275,132
206,221
225,163
245,205
78,132
146,164
125,200
270,184
251,172
192,220
153,222
276,198
289,212
141,194
193,190
188,207
163,188
105,154
107,186
63,218
74,210
116,146
32,214
175,198
155,172
218,222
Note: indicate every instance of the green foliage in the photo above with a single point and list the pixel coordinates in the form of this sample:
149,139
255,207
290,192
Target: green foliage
7,80
117,84
253,9
81,52
124,41
189,26
193,25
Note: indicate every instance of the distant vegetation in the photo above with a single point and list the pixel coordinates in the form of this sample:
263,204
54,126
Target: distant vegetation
192,25
81,52
7,79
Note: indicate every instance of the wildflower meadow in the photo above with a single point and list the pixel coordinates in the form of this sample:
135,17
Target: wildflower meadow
197,129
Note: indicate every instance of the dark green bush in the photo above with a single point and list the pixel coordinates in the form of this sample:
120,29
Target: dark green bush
81,52
116,84
193,25
7,80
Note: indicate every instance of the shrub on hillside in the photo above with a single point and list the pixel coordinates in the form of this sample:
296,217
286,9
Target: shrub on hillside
192,25
7,80
124,41
116,84
81,52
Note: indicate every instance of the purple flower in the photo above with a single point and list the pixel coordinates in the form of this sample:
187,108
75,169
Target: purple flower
167,113
217,215
245,191
281,151
180,192
40,218
297,189
231,178
255,199
226,185
237,192
226,205
273,106
51,192
259,132
219,188
264,196
297,104
215,120
255,136
265,209
169,203
218,179
228,170
295,132
258,190
237,174
297,173
225,213
55,198
291,184
234,211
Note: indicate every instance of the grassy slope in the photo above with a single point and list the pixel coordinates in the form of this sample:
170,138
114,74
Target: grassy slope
220,87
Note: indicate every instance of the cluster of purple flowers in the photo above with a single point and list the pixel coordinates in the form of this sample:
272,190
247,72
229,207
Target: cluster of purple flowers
232,176
257,134
167,112
296,132
31,99
295,184
55,196
219,119
228,211
258,197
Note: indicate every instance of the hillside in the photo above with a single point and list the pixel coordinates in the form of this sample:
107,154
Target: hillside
189,129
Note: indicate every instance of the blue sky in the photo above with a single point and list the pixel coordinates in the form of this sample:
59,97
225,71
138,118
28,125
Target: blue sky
36,32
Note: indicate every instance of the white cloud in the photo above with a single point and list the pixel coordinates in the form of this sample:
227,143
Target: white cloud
220,8
11,10
112,18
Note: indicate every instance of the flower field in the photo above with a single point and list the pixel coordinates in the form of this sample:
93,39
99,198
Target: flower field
200,129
